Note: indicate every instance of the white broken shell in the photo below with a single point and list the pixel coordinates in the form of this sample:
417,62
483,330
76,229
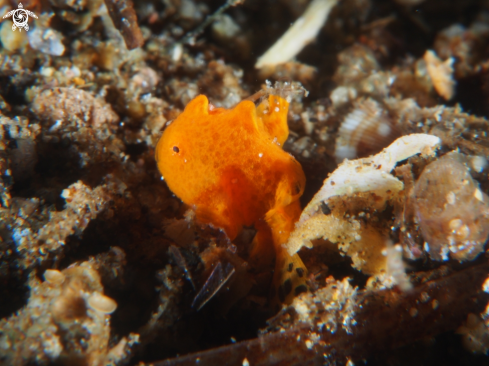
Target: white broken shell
102,303
54,277
370,174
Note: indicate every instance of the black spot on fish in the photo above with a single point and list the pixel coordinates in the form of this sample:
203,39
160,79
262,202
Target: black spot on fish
300,272
176,149
291,267
300,289
287,286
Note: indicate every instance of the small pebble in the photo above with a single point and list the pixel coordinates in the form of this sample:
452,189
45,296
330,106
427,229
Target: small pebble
12,40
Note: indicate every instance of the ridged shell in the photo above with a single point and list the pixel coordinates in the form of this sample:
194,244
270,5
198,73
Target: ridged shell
453,212
364,131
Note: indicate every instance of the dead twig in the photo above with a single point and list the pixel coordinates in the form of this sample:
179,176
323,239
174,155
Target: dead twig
124,17
433,307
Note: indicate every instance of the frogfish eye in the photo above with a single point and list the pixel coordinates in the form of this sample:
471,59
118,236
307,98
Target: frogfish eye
176,149
297,188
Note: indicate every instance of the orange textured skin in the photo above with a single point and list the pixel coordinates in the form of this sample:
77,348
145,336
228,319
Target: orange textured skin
230,167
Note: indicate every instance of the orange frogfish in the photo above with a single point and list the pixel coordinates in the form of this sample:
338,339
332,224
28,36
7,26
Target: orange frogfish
229,166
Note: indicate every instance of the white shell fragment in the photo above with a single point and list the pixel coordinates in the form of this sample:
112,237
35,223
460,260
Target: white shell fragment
54,277
441,74
370,174
47,40
102,303
302,32
478,163
485,285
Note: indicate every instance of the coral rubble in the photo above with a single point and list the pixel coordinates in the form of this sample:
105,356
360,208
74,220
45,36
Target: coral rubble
62,310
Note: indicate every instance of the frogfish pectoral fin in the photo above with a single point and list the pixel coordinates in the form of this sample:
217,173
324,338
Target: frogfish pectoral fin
289,279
